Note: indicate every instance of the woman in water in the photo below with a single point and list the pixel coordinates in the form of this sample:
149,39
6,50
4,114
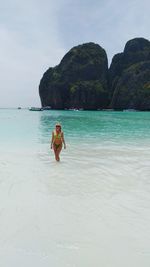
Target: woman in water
57,141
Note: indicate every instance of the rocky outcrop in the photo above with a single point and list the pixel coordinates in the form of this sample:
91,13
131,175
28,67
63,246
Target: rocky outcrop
79,81
82,79
129,76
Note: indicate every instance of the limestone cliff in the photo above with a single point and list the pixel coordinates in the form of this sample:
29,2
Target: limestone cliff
129,76
82,79
79,81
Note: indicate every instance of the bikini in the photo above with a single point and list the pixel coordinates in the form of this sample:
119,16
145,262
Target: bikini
57,136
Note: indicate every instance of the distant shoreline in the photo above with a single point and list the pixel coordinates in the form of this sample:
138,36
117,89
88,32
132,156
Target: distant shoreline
76,110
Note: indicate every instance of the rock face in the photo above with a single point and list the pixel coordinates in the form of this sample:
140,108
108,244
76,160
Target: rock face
129,76
82,79
79,81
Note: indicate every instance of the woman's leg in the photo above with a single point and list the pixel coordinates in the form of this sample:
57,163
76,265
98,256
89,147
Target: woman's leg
58,150
55,152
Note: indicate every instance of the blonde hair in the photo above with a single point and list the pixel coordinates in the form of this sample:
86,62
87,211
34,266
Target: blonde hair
58,124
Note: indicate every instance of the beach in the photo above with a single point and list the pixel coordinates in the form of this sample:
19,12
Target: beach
92,208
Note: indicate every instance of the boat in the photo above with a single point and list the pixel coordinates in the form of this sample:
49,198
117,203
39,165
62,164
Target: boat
130,110
47,108
107,109
75,109
35,109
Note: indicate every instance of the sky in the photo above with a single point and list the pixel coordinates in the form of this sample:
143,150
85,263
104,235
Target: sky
36,34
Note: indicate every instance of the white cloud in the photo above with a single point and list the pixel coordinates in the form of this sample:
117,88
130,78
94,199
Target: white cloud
110,23
29,44
35,35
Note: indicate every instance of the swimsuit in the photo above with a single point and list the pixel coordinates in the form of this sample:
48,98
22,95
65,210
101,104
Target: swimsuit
57,136
57,145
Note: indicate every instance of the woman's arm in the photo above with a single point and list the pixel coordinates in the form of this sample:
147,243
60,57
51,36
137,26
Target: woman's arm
63,140
52,140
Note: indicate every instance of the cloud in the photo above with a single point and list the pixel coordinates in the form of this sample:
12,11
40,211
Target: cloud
110,23
35,35
29,45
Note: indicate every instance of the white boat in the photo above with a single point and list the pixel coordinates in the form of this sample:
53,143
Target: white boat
35,109
47,108
107,109
130,110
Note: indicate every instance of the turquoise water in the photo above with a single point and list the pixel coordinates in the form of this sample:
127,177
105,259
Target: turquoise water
92,207
18,125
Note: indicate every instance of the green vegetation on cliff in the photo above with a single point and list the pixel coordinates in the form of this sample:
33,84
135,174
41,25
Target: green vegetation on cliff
79,81
82,79
129,76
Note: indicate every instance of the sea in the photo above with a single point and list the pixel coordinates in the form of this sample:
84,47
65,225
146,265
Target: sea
92,208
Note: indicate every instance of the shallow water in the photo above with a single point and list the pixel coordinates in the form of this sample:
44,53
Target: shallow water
92,208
